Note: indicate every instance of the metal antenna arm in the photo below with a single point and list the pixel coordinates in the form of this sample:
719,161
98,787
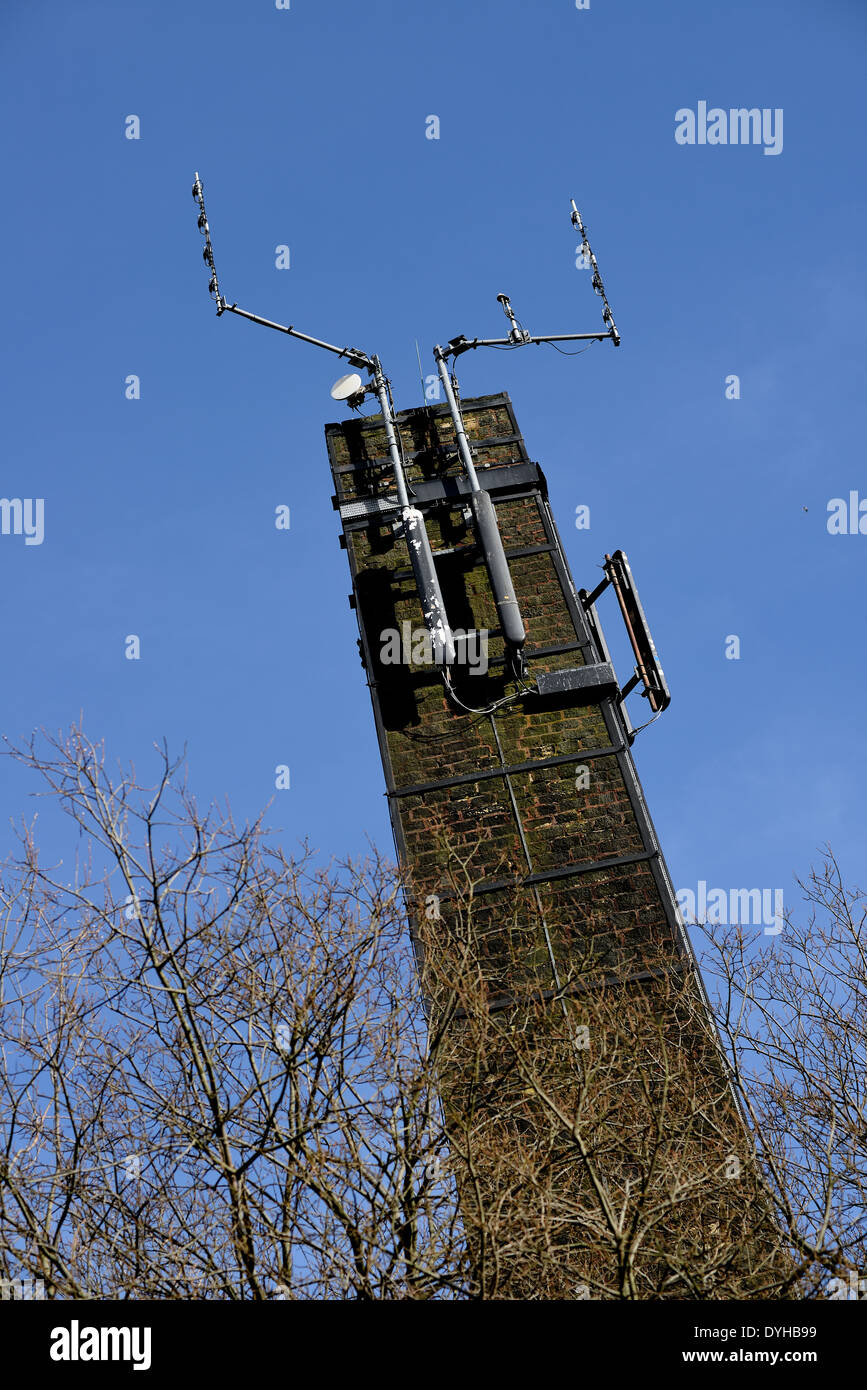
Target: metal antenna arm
353,355
462,344
520,336
412,520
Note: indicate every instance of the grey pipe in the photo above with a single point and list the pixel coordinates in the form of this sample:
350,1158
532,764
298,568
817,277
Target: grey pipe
487,530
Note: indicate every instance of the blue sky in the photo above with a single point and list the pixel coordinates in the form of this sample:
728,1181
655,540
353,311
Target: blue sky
308,129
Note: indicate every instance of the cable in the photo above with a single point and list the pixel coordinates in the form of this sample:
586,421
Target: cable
546,342
647,724
471,709
498,704
565,351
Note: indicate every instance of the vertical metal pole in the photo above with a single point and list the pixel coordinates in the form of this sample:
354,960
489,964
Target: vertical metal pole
487,530
415,533
457,420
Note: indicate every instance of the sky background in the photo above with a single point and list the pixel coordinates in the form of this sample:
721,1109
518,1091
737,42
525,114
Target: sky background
308,129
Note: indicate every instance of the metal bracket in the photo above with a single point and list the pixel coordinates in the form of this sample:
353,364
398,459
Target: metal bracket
580,684
648,671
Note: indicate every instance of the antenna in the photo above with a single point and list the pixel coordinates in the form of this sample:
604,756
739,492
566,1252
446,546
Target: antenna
345,387
519,336
598,286
420,372
648,669
412,520
487,530
208,253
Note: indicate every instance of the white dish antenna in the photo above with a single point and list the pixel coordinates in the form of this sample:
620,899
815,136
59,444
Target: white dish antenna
345,386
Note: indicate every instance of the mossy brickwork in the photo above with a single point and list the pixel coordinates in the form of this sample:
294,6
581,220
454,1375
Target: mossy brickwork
540,791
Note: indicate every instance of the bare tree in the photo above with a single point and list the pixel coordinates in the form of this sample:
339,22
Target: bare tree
223,1076
214,1077
794,1016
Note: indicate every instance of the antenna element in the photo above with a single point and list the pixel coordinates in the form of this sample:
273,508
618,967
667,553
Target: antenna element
598,286
208,253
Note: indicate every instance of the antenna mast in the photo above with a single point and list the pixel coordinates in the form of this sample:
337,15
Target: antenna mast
412,520
490,540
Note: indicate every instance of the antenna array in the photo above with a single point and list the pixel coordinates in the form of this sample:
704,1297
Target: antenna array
490,540
351,389
412,520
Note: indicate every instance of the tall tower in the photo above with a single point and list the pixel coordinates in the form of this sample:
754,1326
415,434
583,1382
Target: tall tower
525,778
596,1140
